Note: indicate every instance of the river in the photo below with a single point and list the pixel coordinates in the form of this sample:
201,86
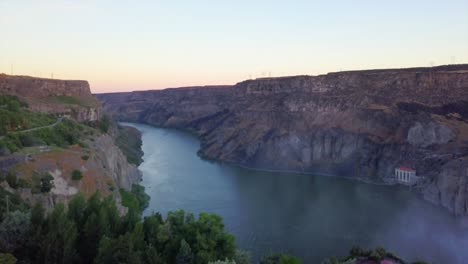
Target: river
309,216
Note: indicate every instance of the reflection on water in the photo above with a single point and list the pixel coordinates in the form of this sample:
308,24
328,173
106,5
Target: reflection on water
309,216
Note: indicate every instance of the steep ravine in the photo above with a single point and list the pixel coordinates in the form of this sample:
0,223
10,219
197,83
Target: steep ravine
358,124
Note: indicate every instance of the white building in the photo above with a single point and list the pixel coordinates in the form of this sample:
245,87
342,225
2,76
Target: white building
406,175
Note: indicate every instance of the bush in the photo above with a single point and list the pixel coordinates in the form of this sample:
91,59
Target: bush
28,140
76,175
7,258
85,157
47,183
82,144
280,259
104,124
12,179
23,183
242,257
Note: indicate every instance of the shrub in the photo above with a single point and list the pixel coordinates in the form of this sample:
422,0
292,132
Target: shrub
23,183
280,259
104,124
242,257
47,183
12,179
7,258
85,157
76,175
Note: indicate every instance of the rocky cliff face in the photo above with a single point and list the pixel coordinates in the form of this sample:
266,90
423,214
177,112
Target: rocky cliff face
358,124
102,164
71,98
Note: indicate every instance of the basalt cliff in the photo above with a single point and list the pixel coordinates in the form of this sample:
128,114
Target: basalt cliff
52,96
88,159
360,124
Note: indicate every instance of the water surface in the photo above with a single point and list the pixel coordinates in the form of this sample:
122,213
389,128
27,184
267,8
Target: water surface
310,216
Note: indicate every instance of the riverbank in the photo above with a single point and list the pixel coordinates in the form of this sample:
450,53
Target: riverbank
282,212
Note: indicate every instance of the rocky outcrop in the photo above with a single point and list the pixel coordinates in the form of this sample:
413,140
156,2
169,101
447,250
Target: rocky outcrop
359,124
425,135
70,98
102,164
115,163
105,169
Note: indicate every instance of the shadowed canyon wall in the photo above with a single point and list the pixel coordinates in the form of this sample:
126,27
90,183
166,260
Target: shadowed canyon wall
359,124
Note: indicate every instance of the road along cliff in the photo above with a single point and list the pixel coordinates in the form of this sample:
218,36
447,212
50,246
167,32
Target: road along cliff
358,124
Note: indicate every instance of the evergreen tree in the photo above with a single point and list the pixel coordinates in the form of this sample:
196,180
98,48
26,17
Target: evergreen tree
13,230
185,255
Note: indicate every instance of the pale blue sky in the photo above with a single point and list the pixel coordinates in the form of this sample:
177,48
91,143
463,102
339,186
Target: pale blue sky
132,45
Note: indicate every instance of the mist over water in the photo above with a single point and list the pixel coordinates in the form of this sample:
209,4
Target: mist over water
313,217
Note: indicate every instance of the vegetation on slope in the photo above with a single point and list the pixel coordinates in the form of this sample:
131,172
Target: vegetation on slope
14,116
136,199
16,122
129,141
64,134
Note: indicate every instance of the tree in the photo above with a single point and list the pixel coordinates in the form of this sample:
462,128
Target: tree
104,123
47,183
226,261
13,230
242,257
13,106
76,175
7,258
120,250
280,259
185,255
59,238
12,180
212,242
76,210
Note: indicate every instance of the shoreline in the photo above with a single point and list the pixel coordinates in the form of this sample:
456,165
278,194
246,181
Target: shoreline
463,220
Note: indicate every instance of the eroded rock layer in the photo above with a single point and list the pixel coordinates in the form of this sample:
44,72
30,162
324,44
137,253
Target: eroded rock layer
358,124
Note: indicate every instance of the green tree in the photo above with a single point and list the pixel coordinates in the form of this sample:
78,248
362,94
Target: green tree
13,106
76,210
185,255
120,250
226,261
280,259
13,230
242,257
12,180
47,183
76,175
59,238
7,258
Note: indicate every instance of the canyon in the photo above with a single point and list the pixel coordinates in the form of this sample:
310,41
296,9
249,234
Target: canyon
355,124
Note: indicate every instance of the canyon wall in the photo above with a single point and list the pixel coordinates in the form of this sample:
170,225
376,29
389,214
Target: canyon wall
360,124
62,97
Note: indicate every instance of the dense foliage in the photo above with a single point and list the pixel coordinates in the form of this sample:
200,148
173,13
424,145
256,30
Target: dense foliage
136,199
76,175
129,142
65,133
13,117
91,231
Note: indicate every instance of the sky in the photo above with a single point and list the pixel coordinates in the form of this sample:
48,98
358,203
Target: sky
141,45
